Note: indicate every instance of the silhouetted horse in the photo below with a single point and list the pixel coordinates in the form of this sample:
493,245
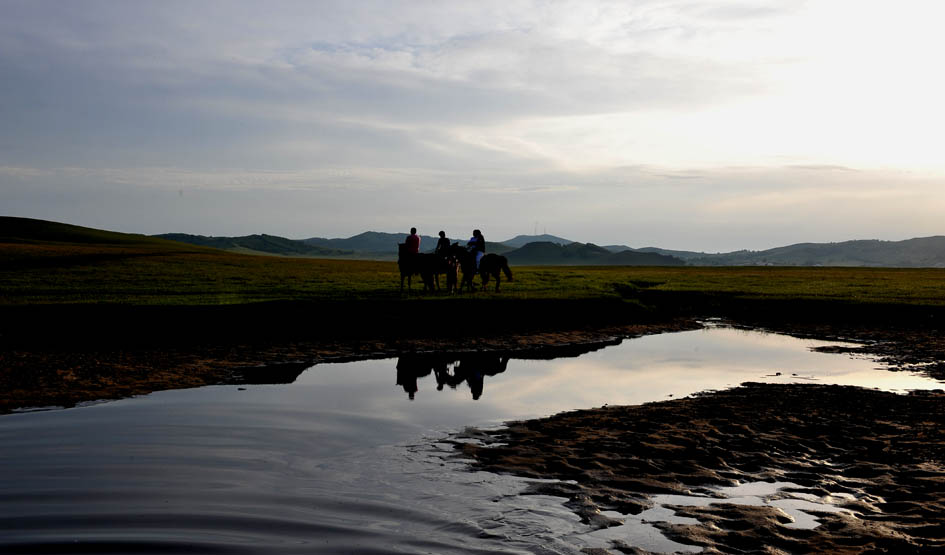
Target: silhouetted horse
490,265
411,264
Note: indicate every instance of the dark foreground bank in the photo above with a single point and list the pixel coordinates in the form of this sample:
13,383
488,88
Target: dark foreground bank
885,450
60,355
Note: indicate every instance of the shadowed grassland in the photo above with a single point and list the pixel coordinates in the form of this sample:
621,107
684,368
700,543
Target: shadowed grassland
140,270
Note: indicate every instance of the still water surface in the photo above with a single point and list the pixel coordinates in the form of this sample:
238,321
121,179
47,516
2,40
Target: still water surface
351,457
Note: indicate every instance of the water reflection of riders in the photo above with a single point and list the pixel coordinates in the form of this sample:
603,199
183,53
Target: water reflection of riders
409,368
474,368
477,245
471,369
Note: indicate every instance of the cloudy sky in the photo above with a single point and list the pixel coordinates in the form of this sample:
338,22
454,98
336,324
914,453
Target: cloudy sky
700,125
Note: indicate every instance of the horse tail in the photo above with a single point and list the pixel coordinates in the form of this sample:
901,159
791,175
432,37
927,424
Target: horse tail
505,267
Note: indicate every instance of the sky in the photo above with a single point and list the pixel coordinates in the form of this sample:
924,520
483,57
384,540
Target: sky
683,124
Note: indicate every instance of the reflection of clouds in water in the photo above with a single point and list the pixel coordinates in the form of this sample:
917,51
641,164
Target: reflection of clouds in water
652,368
637,371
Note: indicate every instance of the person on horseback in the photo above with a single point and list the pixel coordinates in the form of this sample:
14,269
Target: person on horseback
477,246
413,242
442,246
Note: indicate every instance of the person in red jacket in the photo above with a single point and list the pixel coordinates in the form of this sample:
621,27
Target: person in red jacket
413,242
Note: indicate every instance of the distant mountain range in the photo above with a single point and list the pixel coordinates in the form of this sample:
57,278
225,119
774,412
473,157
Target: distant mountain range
257,244
922,252
552,250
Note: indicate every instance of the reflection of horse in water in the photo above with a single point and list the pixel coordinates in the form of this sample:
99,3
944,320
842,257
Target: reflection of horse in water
409,368
450,370
411,264
489,265
475,367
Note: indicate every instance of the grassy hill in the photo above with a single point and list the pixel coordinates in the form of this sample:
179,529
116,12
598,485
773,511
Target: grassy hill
257,244
584,254
911,253
521,240
28,230
377,245
370,245
373,245
45,263
923,252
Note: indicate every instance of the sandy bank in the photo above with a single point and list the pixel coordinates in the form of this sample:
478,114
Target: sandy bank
883,452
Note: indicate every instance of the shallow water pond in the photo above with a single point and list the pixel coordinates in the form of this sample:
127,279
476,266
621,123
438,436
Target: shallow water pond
351,457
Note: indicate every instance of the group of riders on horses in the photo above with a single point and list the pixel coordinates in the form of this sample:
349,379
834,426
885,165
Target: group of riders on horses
448,258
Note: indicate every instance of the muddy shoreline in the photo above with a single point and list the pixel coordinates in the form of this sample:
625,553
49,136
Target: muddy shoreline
883,452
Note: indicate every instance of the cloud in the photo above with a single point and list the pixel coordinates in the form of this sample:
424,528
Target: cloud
138,77
670,123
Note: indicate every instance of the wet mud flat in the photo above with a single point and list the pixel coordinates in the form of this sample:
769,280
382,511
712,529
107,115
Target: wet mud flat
880,456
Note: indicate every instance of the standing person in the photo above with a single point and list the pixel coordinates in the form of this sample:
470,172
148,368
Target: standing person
477,246
413,242
442,245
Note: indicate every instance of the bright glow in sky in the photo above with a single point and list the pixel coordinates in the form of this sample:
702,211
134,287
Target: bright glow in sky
691,124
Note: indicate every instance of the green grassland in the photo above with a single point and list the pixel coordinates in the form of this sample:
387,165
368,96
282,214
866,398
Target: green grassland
43,263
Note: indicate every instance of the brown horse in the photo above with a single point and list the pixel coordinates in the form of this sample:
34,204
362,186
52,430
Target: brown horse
490,265
411,264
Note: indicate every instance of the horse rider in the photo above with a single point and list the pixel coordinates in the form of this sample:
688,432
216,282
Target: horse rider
477,246
413,242
442,245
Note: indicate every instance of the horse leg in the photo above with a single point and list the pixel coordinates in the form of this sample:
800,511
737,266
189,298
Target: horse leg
427,281
451,279
498,278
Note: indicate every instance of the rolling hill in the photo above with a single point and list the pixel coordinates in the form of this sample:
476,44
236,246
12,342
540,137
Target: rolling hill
521,240
584,254
375,245
29,230
256,244
380,245
922,252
